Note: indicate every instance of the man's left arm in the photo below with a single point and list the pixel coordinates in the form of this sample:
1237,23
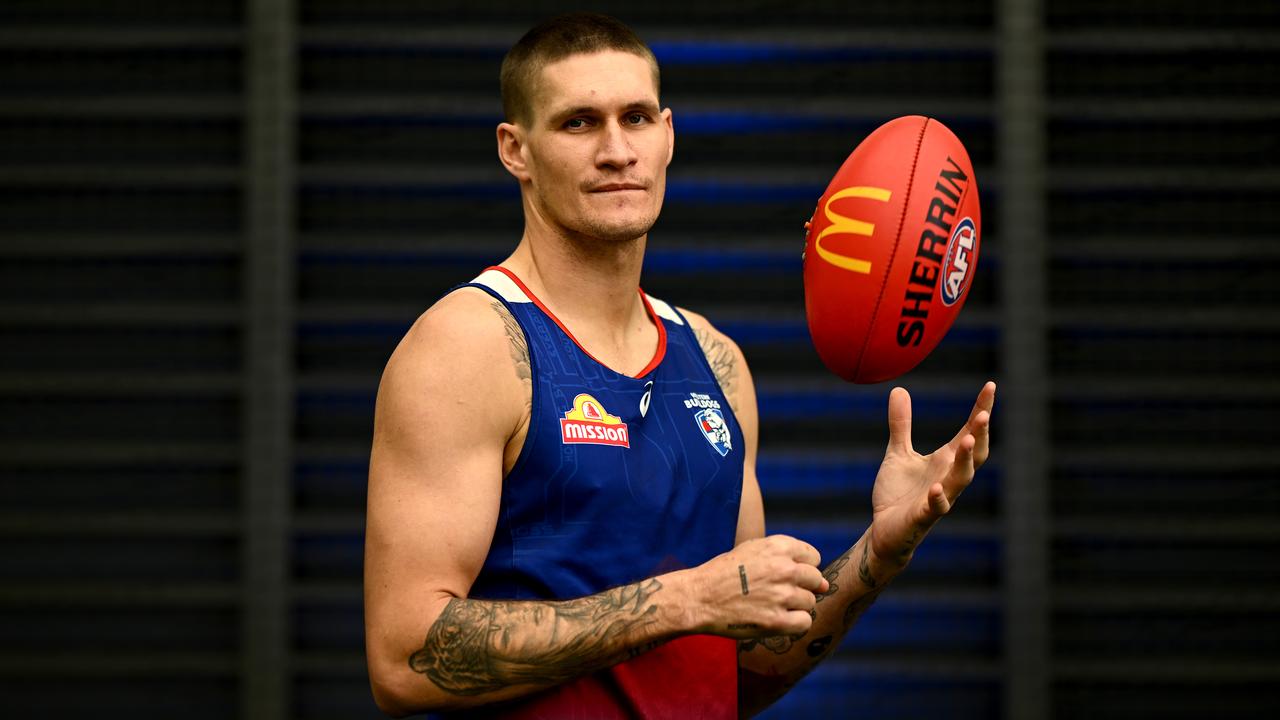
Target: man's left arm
911,493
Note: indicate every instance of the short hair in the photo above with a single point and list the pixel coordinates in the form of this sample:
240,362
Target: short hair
556,39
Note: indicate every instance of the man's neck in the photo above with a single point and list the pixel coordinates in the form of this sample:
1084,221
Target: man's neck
591,286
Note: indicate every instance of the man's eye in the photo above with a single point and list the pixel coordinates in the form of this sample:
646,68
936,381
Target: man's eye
637,118
576,123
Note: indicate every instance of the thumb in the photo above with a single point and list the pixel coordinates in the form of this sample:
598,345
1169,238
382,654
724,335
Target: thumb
900,420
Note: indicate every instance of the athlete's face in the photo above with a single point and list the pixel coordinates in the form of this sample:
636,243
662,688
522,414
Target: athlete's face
597,147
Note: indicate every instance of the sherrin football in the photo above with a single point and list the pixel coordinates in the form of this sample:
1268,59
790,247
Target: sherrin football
891,250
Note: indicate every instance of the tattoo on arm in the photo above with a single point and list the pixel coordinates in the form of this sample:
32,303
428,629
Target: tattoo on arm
855,609
519,346
832,573
819,646
742,575
477,646
859,606
722,361
777,644
756,689
782,644
904,554
864,566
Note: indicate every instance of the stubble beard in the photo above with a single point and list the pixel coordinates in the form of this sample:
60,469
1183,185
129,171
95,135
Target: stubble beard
600,231
616,233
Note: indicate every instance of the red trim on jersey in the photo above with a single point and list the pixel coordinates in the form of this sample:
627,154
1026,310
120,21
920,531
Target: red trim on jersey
662,338
658,354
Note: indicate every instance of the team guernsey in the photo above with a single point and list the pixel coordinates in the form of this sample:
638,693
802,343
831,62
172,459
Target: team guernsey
620,479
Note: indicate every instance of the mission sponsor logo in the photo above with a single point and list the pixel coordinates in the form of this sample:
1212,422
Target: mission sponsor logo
589,423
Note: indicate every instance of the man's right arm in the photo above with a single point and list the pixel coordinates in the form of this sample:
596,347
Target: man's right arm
450,399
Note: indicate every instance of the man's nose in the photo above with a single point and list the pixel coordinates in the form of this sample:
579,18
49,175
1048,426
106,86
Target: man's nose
615,147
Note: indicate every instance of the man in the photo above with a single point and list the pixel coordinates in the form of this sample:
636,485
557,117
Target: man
563,516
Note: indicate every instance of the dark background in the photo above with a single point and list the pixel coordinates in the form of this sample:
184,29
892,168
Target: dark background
218,217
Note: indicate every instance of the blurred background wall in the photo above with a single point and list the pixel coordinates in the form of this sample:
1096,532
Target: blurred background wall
217,218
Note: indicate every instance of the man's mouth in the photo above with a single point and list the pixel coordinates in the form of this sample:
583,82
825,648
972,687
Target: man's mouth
616,187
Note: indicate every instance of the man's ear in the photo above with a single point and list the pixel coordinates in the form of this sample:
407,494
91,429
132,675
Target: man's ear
671,134
511,150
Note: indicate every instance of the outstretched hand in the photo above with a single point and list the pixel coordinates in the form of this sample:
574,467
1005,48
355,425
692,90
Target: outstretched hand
912,490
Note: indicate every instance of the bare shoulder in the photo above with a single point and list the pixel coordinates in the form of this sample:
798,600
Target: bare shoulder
452,332
465,351
723,355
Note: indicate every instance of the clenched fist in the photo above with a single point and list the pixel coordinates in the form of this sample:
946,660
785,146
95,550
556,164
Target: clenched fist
762,587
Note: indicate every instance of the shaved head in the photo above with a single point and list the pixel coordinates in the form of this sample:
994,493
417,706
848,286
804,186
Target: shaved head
556,39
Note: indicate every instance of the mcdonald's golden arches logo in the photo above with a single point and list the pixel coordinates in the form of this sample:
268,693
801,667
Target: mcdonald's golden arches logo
843,225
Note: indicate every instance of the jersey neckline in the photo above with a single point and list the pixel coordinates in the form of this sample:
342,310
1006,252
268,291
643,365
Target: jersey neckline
658,353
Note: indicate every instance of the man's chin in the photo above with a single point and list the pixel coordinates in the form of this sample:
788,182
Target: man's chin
619,231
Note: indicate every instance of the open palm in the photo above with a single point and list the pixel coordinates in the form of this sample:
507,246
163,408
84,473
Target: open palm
912,490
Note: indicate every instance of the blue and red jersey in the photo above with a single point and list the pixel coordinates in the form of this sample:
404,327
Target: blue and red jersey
621,478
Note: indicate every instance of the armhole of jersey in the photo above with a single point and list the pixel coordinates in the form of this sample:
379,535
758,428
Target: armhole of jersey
693,338
531,435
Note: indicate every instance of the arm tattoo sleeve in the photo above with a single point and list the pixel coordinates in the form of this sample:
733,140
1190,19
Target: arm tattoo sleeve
477,646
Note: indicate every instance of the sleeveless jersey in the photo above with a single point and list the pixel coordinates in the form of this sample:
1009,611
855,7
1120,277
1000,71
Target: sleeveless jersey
620,479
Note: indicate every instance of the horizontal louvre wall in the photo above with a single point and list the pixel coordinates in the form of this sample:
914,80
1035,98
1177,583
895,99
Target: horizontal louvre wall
1163,352
120,361
123,135
401,197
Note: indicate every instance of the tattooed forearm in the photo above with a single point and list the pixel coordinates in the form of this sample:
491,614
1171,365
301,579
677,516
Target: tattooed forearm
723,363
904,554
777,644
819,646
477,646
854,586
864,566
519,346
859,606
832,574
781,644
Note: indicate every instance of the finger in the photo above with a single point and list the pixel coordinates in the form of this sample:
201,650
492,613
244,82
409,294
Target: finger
984,403
811,579
802,600
938,503
982,434
802,552
900,420
962,468
797,621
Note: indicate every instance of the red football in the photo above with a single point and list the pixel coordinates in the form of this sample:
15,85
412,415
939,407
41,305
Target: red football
891,250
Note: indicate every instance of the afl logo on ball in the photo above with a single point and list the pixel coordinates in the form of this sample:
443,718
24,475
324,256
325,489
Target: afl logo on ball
959,263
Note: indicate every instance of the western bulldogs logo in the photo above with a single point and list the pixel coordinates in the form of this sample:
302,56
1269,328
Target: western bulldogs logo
958,267
714,429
